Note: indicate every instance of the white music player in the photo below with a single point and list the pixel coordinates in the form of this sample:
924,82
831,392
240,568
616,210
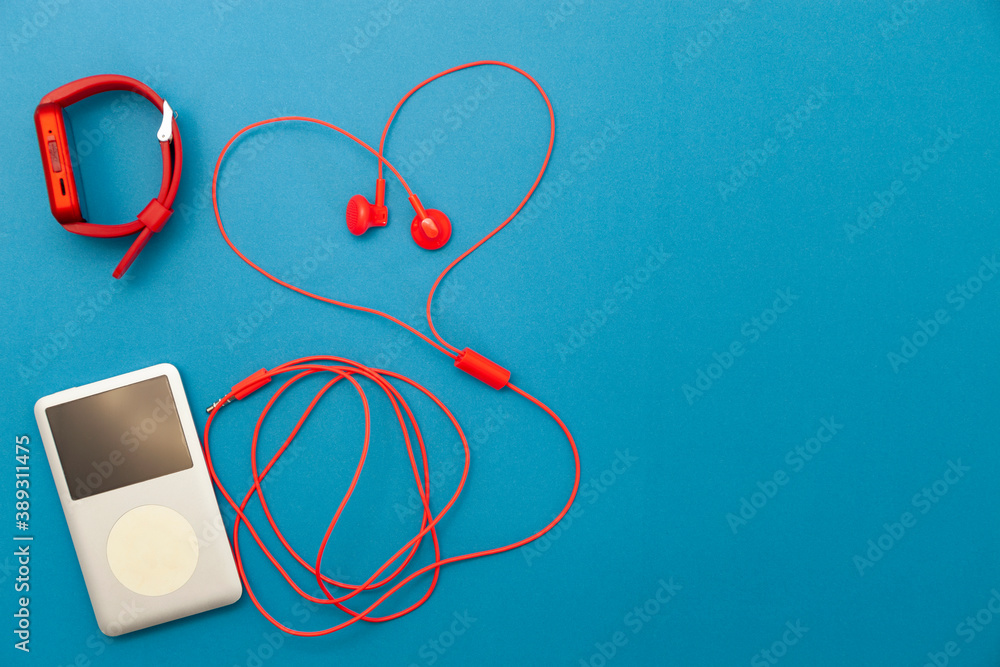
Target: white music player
132,479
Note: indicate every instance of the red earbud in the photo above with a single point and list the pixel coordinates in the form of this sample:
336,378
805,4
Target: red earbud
431,228
361,214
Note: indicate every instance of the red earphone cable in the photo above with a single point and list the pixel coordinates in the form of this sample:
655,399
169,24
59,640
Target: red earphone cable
344,369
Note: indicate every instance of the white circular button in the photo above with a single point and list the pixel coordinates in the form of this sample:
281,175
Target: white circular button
152,550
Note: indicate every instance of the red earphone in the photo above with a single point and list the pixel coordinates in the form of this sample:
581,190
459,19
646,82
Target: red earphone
361,215
66,192
431,229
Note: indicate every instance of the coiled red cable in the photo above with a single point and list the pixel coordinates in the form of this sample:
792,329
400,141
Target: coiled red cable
344,369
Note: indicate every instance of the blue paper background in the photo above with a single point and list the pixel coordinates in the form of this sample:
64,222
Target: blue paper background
810,111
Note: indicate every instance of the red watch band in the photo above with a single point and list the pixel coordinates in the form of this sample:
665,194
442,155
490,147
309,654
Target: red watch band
154,216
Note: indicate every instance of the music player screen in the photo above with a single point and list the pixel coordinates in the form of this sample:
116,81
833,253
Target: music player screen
119,437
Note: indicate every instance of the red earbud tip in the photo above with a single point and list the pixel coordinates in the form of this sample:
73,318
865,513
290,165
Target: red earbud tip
358,212
431,232
361,215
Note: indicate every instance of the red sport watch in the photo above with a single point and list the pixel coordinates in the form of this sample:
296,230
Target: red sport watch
65,188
